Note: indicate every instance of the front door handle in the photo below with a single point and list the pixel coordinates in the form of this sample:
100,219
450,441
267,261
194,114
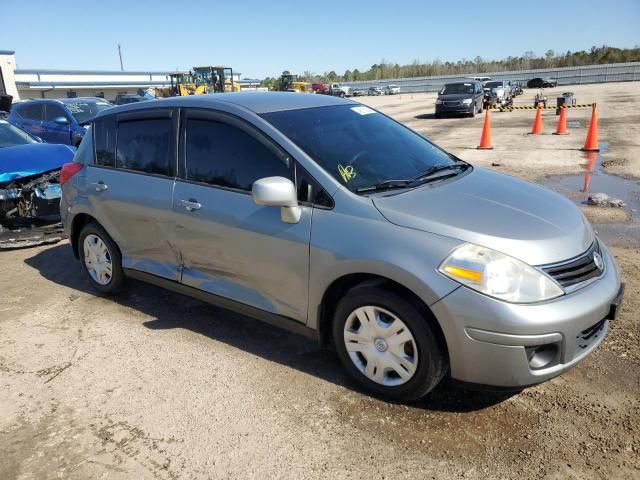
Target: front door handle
99,186
191,204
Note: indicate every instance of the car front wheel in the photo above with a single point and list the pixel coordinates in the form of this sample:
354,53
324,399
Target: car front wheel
387,345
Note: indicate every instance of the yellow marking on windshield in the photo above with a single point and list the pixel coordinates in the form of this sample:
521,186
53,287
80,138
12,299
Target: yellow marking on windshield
347,173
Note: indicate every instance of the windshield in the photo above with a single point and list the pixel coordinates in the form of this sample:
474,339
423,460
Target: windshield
85,110
493,84
357,145
11,136
457,88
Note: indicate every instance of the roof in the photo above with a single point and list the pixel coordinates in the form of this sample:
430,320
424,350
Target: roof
87,72
81,99
7,52
62,100
258,102
72,83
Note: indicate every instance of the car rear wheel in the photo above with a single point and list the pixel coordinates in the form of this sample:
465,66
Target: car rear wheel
387,345
100,258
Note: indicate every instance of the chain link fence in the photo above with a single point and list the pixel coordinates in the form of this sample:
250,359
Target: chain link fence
614,72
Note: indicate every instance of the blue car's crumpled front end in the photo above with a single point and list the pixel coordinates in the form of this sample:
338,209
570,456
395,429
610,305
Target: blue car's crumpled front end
29,179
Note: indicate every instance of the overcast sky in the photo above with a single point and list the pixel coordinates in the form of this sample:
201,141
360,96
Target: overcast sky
260,38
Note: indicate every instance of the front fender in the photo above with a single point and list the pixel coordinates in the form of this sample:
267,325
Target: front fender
365,242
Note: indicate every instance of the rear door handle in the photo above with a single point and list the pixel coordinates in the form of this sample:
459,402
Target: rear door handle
191,204
99,186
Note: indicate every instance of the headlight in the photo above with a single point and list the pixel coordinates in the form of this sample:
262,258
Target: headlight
438,102
498,275
467,101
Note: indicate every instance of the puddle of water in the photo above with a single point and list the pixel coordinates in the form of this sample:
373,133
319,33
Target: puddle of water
574,124
596,180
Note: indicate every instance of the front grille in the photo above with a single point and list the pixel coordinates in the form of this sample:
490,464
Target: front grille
576,270
451,104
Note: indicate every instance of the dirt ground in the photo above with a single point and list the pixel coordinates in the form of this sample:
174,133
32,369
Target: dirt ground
155,385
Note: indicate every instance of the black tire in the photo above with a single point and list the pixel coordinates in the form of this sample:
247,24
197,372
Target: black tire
432,360
341,94
116,283
438,115
473,111
481,107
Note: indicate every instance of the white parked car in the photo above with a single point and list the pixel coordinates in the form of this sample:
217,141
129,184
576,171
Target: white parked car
391,90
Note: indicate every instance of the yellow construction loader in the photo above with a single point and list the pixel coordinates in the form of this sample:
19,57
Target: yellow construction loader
199,81
182,84
217,79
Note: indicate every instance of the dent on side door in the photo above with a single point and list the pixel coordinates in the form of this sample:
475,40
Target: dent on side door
242,251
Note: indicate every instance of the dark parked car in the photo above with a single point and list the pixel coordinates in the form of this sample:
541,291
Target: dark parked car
460,97
542,83
57,121
124,99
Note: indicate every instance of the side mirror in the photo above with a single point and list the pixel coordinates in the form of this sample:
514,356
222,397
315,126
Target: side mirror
61,121
278,192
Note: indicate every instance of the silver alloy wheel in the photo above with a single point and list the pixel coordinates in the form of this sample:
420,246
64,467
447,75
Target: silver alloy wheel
97,259
381,346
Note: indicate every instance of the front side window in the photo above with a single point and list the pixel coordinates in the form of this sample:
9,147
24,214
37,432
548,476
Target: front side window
223,155
357,145
54,111
145,145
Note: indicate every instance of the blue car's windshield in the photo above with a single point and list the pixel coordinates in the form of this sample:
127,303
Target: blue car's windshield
11,136
357,145
85,110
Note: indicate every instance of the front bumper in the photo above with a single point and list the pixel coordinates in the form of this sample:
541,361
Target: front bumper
501,344
460,108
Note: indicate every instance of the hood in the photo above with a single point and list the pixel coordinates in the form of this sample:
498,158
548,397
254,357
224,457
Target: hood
497,211
27,160
455,96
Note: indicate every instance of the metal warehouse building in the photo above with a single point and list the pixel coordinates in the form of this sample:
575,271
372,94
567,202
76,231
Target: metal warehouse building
42,83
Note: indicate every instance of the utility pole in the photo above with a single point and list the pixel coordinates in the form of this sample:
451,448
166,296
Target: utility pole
120,55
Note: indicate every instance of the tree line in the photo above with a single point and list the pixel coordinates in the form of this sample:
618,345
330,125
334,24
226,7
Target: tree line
386,70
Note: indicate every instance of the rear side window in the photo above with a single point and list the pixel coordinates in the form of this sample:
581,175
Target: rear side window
145,145
104,139
54,111
223,155
33,111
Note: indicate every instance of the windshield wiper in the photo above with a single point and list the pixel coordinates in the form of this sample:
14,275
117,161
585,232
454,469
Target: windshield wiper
439,168
386,185
419,179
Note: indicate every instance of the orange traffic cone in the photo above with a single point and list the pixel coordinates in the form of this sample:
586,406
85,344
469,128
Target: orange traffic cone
537,122
485,139
561,129
591,142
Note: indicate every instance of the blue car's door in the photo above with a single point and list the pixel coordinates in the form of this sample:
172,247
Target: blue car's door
53,132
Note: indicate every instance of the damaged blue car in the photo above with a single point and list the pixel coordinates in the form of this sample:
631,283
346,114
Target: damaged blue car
29,174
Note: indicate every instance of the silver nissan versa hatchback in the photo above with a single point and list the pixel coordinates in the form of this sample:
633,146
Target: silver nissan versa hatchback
324,216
